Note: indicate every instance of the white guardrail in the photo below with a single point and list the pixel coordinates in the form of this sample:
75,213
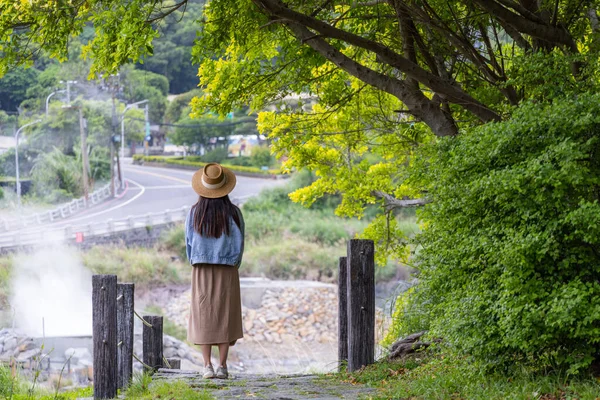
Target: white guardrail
78,232
62,211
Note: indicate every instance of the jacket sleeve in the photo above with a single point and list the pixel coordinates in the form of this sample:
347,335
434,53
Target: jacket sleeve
188,246
243,230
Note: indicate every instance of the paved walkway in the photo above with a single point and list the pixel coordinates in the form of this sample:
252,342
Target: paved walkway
290,387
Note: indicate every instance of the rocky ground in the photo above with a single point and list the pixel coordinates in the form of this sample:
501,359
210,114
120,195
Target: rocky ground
245,386
289,327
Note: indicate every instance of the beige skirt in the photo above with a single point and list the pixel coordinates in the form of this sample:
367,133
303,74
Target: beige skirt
216,308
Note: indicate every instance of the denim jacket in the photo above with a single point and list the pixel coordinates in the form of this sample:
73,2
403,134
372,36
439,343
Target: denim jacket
226,249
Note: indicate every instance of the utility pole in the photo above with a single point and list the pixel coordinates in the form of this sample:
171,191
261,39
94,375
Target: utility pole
114,88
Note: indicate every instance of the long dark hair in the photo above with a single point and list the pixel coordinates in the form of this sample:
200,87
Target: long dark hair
211,216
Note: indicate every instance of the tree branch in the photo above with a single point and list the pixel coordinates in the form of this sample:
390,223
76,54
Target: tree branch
539,30
452,92
391,202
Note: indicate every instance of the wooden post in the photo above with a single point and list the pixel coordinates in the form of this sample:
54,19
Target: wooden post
361,303
175,363
152,338
342,311
125,307
104,320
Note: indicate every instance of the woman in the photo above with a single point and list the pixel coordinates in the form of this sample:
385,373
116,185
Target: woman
214,235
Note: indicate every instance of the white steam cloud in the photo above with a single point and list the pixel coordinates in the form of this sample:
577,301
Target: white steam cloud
52,293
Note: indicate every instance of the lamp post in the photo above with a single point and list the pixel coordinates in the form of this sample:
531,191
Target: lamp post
69,90
127,107
17,159
48,98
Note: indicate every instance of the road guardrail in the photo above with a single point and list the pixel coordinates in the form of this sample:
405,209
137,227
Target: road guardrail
63,211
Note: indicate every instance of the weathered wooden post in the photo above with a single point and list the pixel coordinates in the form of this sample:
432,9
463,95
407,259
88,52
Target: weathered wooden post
152,337
361,303
342,311
125,307
104,320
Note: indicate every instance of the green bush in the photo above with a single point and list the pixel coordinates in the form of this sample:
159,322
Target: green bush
261,157
187,162
1,193
217,155
509,266
243,161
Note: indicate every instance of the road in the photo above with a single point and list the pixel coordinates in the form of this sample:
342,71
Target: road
150,190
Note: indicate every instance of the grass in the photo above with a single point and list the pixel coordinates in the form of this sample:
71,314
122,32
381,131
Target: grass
142,388
440,377
13,387
136,264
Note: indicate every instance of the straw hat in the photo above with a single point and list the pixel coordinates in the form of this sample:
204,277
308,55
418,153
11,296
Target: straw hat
213,181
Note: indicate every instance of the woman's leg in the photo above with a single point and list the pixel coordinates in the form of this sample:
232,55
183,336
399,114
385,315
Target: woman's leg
223,352
206,353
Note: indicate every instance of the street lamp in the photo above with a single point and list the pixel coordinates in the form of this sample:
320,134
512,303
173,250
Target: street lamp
127,107
48,98
69,90
17,159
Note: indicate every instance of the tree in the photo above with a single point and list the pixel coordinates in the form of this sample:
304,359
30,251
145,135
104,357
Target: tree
13,87
383,78
172,51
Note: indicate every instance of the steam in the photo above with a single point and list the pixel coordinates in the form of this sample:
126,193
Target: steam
52,293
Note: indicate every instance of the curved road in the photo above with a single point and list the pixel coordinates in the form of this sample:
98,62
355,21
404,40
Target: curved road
151,189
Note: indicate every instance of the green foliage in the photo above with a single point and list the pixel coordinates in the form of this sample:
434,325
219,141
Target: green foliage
7,382
261,157
177,106
1,193
57,177
439,376
5,274
173,49
165,390
174,240
143,267
8,124
14,85
184,162
216,155
509,260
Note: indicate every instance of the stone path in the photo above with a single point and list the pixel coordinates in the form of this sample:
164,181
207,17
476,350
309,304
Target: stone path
246,386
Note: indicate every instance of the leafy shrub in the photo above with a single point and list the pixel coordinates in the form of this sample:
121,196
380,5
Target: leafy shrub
1,193
261,157
243,161
185,162
509,265
217,155
56,174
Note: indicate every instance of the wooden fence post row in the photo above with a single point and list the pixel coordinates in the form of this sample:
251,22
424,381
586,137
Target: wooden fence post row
112,319
357,305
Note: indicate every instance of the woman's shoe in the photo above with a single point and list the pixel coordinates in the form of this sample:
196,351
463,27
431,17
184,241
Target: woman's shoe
222,373
209,372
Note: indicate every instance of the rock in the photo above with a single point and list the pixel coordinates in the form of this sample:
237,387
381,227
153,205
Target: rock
28,355
78,354
169,352
10,344
27,345
182,353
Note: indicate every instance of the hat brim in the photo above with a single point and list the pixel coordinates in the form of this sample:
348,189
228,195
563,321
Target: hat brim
223,191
